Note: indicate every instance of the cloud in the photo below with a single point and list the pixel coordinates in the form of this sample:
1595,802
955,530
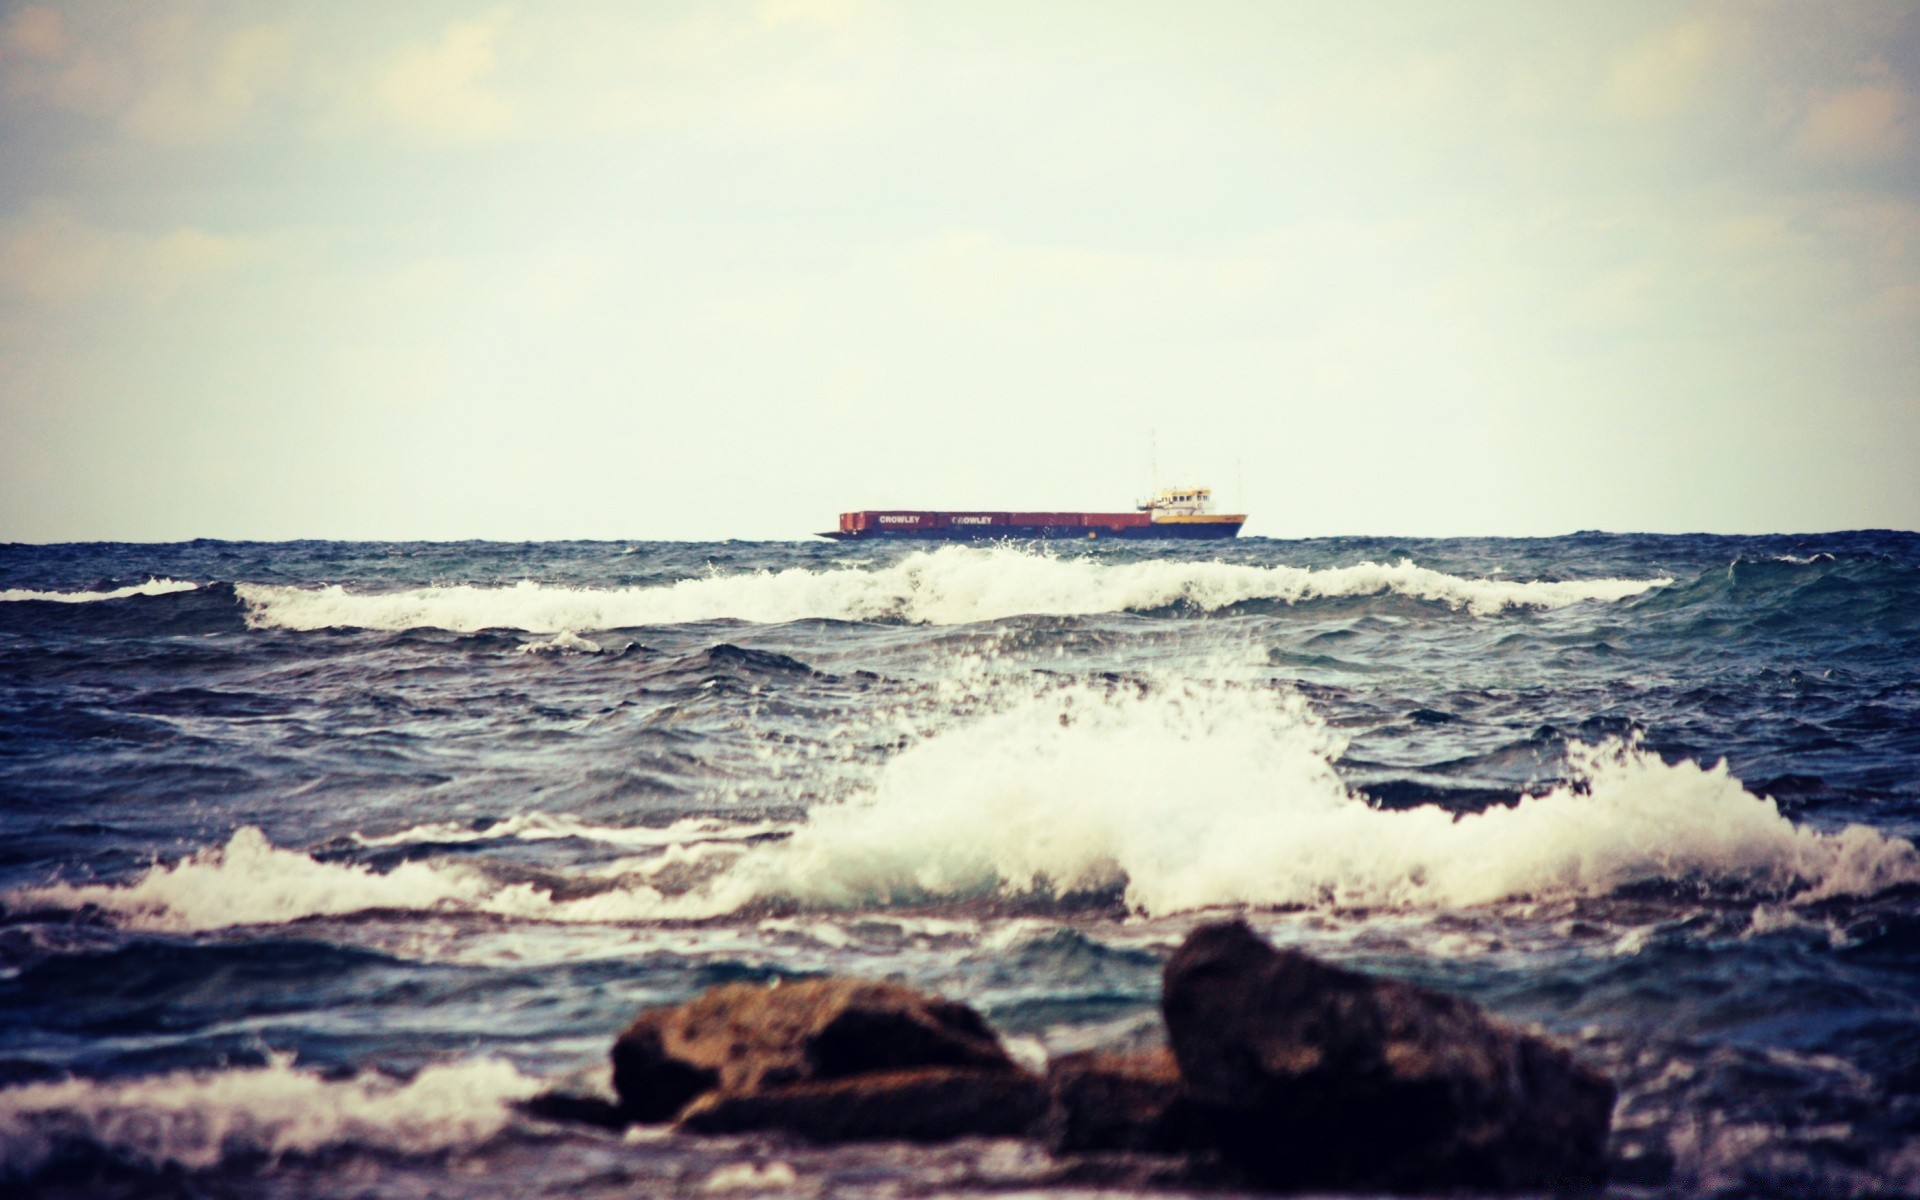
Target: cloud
40,60
1861,125
441,92
34,32
205,96
818,12
1660,73
52,257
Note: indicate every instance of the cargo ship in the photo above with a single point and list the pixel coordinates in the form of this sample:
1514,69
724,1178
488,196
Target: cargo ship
1174,513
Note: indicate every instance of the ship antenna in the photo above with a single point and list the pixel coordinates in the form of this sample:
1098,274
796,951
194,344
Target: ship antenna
1153,462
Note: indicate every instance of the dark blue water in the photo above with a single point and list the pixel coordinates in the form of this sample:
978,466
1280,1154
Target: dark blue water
316,856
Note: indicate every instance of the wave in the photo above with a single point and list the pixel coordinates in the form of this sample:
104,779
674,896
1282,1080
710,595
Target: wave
152,587
950,586
195,1119
1176,799
540,827
1204,796
250,881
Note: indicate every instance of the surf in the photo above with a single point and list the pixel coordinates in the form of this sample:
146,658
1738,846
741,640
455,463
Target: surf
954,585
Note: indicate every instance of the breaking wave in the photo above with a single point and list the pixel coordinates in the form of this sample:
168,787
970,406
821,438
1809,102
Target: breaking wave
950,586
1181,798
1202,796
197,1119
152,587
250,881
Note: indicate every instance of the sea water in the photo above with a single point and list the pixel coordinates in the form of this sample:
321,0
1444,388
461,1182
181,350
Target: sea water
316,857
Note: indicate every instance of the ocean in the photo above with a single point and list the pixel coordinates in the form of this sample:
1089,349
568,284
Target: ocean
317,857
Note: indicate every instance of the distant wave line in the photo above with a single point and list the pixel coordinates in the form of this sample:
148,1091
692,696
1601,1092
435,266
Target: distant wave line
152,587
953,585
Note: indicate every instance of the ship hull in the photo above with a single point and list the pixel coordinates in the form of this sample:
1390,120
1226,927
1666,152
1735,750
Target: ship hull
977,527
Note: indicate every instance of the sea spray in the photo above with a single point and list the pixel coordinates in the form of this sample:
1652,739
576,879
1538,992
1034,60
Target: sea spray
1194,796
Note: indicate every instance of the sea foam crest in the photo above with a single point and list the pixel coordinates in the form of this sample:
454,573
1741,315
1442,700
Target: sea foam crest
541,827
196,1119
250,881
152,587
950,586
1185,797
1205,795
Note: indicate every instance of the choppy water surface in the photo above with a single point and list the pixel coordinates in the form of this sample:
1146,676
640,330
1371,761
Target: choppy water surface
316,856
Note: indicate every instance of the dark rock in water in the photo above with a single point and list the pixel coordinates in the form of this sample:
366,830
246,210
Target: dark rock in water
1099,1101
1305,1075
929,1104
741,1038
585,1097
654,1084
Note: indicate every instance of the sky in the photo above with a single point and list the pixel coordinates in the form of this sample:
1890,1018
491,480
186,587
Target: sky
671,270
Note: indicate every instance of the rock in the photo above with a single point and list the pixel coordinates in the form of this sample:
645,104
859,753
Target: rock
1305,1075
585,1097
1100,1101
928,1104
742,1038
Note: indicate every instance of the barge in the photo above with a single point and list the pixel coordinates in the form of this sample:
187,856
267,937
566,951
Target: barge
1185,513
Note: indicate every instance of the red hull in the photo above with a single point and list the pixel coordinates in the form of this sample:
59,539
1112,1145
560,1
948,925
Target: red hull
975,526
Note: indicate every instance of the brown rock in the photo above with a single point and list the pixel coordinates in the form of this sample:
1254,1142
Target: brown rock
1099,1101
740,1038
1306,1075
928,1104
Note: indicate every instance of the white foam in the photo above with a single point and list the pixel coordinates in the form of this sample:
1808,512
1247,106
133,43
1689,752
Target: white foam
542,827
949,586
1184,798
250,881
1201,796
564,642
152,587
197,1119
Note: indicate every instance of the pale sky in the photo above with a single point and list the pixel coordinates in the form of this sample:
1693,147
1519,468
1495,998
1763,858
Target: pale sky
443,270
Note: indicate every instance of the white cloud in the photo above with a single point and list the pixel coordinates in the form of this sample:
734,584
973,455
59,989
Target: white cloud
446,92
1659,74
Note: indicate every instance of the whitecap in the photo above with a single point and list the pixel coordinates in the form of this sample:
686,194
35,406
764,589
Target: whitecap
1178,799
152,587
563,642
950,586
1201,796
197,1119
541,827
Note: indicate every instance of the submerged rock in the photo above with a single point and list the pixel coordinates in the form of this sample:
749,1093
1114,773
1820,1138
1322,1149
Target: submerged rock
742,1038
1102,1101
928,1104
1306,1075
585,1097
